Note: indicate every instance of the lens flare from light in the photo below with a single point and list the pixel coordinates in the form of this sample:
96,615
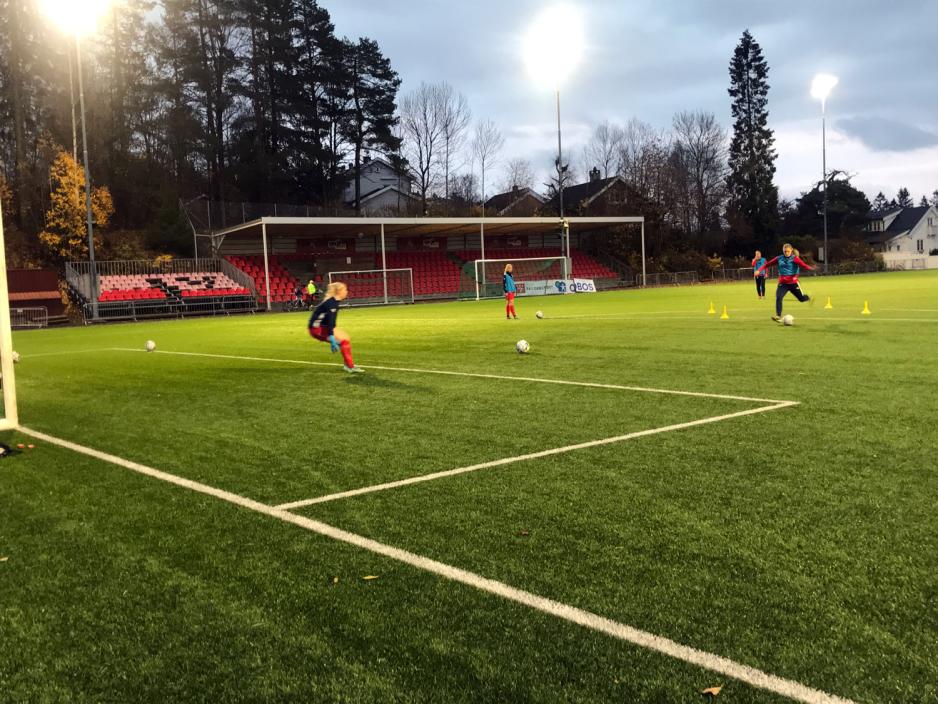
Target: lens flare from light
553,45
77,17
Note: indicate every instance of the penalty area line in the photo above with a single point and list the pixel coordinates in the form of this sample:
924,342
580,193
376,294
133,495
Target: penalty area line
572,614
530,456
474,375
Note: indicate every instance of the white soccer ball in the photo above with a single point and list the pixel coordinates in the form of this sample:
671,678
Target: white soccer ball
788,320
15,356
523,347
539,314
150,345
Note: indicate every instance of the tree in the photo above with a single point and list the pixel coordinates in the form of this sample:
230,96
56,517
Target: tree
518,173
923,203
373,91
65,235
700,157
753,205
454,116
847,208
879,202
486,145
604,148
422,122
903,198
934,199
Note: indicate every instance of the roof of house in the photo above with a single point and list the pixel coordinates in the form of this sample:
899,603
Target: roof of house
585,191
378,191
503,201
904,221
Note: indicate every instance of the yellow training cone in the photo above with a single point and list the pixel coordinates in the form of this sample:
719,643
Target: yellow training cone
866,308
828,306
712,311
725,316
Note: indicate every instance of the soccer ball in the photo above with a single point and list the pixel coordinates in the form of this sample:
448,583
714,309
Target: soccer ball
788,320
539,315
523,347
15,356
150,345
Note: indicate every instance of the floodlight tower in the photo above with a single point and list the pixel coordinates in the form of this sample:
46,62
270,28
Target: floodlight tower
821,88
79,18
552,48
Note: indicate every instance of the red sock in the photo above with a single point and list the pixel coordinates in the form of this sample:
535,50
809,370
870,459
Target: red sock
507,309
347,353
512,308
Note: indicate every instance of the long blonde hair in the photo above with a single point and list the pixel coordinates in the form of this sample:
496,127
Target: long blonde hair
334,288
508,268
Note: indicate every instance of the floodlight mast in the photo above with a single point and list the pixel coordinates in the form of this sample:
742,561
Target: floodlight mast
78,19
821,88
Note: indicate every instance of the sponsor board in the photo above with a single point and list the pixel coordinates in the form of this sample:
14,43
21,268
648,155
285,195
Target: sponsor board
549,287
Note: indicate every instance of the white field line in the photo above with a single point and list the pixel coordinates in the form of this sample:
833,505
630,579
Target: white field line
714,663
586,384
529,456
26,356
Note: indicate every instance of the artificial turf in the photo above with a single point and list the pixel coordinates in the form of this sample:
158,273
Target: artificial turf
801,541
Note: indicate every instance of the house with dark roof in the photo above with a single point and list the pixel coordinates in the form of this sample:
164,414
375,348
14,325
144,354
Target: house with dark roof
911,230
598,196
383,188
518,202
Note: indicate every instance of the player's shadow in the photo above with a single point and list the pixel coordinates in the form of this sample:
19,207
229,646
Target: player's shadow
372,380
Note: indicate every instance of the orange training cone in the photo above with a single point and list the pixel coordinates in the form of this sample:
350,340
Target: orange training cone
866,308
725,316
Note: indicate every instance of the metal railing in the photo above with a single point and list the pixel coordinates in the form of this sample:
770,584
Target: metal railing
668,278
135,310
35,317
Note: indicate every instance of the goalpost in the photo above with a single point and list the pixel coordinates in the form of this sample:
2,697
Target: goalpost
531,275
10,418
376,286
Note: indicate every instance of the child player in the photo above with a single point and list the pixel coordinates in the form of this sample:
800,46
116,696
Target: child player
322,324
757,263
508,283
789,266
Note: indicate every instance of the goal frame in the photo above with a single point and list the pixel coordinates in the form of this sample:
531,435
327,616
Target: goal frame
475,263
337,275
10,420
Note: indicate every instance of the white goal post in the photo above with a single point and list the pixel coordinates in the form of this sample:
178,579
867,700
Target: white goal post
376,286
487,273
10,418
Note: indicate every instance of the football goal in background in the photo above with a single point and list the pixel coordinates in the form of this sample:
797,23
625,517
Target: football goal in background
376,286
533,276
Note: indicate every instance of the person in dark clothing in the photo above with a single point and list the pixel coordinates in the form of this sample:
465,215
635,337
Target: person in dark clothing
322,324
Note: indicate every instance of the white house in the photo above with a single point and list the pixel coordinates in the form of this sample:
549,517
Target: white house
383,189
912,231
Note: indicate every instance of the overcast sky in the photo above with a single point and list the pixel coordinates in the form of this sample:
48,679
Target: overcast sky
651,58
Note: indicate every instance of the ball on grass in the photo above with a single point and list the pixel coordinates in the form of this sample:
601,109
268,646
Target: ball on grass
523,347
15,356
539,315
150,346
788,320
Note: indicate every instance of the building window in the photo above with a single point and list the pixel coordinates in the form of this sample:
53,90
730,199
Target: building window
920,244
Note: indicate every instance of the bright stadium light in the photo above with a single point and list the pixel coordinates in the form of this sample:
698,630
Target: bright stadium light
553,45
821,88
76,17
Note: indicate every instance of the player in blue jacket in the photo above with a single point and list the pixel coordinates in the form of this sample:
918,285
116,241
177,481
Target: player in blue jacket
789,265
758,273
322,324
508,284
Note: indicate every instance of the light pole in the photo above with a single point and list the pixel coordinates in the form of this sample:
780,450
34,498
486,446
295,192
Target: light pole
78,18
821,88
552,48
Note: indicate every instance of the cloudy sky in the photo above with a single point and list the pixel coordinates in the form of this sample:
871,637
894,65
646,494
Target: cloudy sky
651,58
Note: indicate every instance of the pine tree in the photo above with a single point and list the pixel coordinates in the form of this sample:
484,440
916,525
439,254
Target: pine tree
923,203
934,199
879,202
65,236
903,198
753,206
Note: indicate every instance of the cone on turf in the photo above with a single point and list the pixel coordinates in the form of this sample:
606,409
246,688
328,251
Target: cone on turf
866,308
725,315
829,306
712,311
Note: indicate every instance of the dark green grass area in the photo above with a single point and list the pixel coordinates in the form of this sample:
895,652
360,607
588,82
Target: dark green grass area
801,541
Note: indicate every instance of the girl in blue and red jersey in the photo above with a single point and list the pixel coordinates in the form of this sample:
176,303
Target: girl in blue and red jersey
758,262
322,324
508,284
789,266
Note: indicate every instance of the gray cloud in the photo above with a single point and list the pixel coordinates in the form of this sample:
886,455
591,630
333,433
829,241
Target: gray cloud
883,134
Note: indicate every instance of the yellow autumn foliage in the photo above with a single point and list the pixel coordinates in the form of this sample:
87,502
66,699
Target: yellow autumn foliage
65,234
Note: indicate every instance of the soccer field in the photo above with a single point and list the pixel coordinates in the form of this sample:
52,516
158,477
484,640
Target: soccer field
652,502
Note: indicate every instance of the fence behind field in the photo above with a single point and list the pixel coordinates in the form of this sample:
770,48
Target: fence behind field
34,317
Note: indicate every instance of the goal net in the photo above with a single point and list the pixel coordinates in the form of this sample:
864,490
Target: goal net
482,278
376,286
